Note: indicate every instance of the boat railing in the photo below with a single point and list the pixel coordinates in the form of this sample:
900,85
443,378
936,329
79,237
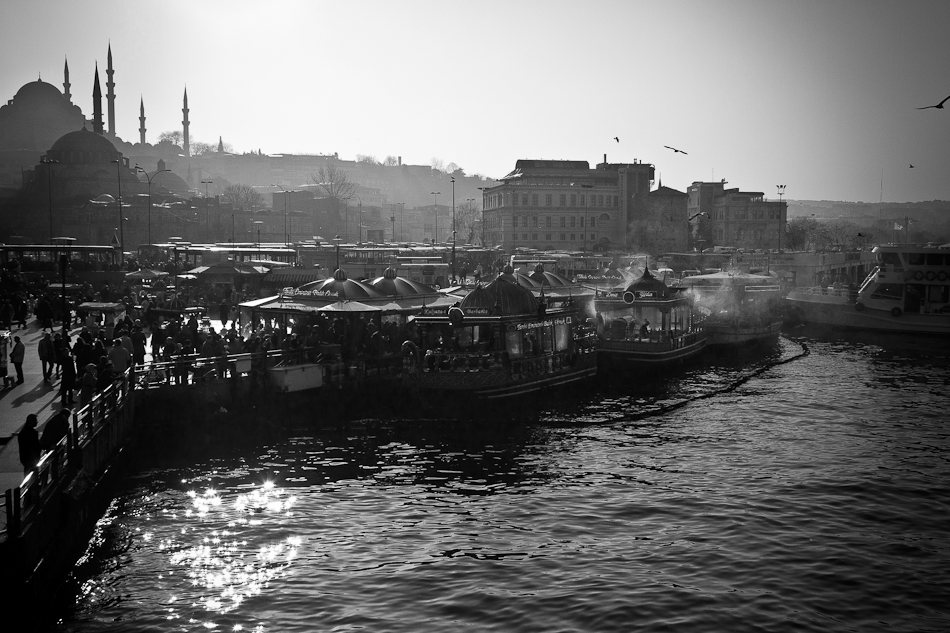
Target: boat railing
499,362
824,290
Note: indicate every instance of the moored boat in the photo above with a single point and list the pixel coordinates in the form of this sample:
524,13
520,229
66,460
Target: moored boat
647,324
741,308
501,341
908,291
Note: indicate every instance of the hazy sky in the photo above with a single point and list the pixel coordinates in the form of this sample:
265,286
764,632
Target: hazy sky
817,95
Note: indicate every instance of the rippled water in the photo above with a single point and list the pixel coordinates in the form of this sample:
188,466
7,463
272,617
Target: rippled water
802,489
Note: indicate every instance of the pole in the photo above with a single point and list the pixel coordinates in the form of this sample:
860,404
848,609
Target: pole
63,262
781,224
435,197
453,231
49,188
118,173
207,212
149,179
232,228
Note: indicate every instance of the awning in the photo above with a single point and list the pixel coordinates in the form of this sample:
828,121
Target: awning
293,276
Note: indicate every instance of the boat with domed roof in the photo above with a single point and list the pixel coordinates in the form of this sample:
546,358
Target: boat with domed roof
501,340
647,324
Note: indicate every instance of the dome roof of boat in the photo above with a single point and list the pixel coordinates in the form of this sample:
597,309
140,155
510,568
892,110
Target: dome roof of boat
648,283
392,285
501,297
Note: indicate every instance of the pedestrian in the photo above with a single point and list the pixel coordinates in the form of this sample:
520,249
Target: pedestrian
120,357
29,441
47,355
88,383
16,357
56,429
138,345
68,382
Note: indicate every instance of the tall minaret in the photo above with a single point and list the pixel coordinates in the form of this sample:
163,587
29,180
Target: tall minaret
110,95
141,121
97,105
184,124
66,83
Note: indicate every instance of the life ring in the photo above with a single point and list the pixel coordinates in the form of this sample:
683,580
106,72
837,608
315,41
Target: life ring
895,312
859,306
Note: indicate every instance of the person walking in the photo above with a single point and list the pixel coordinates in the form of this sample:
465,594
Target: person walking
16,357
68,382
29,440
47,355
88,385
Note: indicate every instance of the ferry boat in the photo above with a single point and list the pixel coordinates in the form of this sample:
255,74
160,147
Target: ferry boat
908,291
501,341
740,308
647,324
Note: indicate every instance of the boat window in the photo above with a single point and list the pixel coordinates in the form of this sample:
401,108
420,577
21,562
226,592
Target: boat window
546,339
888,291
938,294
915,259
513,340
935,259
891,259
562,336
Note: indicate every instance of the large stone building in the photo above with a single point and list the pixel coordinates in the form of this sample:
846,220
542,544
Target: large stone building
566,205
734,218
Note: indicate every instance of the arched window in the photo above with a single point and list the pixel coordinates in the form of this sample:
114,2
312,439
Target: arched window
604,217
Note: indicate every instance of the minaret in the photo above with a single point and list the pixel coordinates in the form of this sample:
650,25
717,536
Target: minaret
66,83
97,105
141,121
110,95
220,146
184,124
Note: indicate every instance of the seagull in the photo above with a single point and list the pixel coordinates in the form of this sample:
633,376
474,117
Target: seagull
617,138
679,151
939,106
911,167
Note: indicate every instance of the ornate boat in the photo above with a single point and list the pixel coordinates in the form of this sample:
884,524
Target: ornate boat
908,291
501,341
647,324
740,308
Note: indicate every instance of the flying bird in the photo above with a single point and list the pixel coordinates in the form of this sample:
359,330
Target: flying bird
617,138
911,167
677,151
939,106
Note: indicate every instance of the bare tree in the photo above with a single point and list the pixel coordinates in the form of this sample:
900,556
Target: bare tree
438,164
366,158
334,182
799,233
391,161
200,149
243,197
467,216
175,137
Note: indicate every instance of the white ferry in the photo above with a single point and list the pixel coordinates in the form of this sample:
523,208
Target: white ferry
908,291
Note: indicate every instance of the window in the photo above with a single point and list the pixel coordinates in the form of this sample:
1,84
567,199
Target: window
616,201
593,237
573,199
563,236
524,223
573,237
582,222
534,236
534,221
524,199
514,200
563,221
534,199
547,222
524,237
548,200
582,200
573,223
593,222
563,199
600,200
547,236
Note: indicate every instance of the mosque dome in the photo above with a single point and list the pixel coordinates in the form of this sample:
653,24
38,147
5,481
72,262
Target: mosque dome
37,93
83,147
170,181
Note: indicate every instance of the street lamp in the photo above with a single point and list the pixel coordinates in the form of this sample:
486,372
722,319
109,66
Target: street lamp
392,218
49,187
359,239
258,223
63,264
336,240
149,179
454,281
118,173
586,213
286,193
482,189
781,224
207,211
435,195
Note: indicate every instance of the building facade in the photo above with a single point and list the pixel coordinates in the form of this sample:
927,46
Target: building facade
566,205
736,219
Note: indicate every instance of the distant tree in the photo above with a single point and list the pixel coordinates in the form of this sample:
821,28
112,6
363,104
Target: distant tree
244,197
365,158
455,170
437,164
175,137
467,217
334,182
201,149
391,161
800,233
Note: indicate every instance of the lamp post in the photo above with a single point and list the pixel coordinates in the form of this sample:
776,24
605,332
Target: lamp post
781,224
286,193
49,188
336,240
258,223
149,179
359,239
392,218
482,189
435,196
207,211
454,280
118,173
63,264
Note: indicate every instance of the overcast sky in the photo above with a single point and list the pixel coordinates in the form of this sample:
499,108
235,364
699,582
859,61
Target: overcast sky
818,95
